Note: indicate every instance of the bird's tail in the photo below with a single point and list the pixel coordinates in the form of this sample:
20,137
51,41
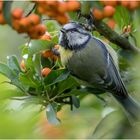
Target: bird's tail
132,108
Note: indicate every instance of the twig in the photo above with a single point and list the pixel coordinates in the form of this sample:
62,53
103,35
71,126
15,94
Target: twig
111,35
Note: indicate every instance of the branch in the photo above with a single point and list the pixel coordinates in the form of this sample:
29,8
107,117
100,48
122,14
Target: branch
114,37
111,35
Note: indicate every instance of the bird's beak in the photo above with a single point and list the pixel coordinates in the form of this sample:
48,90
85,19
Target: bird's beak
63,30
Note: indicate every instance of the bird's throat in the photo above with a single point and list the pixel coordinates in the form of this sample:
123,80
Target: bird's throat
65,55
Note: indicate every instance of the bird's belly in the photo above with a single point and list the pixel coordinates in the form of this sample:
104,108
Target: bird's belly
87,68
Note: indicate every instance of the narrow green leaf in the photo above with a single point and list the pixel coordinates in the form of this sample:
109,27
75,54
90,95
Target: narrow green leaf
109,126
12,62
5,70
61,78
7,11
52,76
37,63
51,115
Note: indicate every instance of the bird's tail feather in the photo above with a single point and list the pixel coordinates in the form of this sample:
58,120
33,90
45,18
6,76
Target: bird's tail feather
131,107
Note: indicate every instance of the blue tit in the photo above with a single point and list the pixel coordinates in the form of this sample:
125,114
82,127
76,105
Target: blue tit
95,63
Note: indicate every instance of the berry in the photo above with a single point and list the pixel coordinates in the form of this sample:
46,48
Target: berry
111,23
47,53
73,5
109,11
2,20
45,71
46,36
98,14
17,13
34,19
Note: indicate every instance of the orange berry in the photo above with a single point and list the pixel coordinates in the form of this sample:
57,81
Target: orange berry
133,5
1,5
47,53
57,47
41,10
109,2
98,14
62,19
2,20
46,36
24,23
36,31
17,13
34,19
22,65
41,29
15,24
124,3
62,8
51,13
111,23
109,11
45,71
73,5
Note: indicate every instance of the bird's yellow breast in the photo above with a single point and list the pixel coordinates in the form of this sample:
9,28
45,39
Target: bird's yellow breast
65,55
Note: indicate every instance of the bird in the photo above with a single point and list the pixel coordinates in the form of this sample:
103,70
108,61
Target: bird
95,63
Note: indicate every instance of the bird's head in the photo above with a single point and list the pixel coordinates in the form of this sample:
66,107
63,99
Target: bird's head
73,36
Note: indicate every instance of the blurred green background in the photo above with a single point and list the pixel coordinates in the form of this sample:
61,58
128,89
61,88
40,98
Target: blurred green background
23,120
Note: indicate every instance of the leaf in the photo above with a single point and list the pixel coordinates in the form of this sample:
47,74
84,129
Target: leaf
51,114
7,11
8,93
27,80
75,101
124,13
62,77
73,92
12,62
109,126
37,46
66,84
37,63
5,70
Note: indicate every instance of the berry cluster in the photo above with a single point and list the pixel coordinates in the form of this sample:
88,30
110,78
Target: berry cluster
30,24
109,8
57,9
26,24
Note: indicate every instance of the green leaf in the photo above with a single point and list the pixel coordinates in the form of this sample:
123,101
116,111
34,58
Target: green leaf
74,92
5,70
7,11
124,13
109,126
37,46
61,78
51,114
37,63
12,62
27,80
75,101
66,84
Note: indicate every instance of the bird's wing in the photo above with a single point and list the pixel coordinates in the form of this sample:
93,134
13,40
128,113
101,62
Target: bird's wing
112,78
